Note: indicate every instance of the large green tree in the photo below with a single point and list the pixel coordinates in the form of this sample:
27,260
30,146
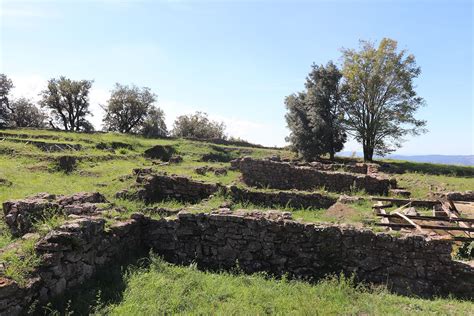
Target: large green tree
314,115
25,114
380,96
198,125
68,102
6,85
128,108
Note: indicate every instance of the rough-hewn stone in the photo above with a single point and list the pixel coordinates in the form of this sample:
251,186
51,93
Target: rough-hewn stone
408,265
161,152
152,187
281,198
283,175
467,196
258,241
21,214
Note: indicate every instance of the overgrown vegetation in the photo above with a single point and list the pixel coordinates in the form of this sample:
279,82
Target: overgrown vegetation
105,163
163,288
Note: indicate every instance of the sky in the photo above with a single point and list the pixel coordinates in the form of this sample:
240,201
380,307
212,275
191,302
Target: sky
237,60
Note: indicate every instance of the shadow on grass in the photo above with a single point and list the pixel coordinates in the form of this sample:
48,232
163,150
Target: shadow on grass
105,288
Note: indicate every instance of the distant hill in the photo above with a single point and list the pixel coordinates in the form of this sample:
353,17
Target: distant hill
466,160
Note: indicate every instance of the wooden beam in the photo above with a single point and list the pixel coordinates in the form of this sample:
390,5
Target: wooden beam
422,203
427,227
431,218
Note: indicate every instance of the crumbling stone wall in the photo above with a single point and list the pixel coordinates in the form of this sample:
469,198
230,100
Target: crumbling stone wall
282,175
467,196
408,265
281,198
152,187
20,215
268,241
69,256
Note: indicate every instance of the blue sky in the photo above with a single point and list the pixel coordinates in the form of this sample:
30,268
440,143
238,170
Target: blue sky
237,60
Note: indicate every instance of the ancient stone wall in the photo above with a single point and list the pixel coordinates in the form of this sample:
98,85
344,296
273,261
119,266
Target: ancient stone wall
69,256
408,265
281,198
152,187
268,241
282,175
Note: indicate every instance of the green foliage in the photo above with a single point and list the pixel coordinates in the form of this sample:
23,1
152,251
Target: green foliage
198,125
68,102
20,261
25,114
131,110
381,100
314,116
154,124
6,85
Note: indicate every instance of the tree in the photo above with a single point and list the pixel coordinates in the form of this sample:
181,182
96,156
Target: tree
6,85
127,108
198,125
314,115
68,101
381,100
154,124
25,114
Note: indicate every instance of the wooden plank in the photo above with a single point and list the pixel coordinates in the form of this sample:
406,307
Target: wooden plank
431,218
422,203
403,216
452,228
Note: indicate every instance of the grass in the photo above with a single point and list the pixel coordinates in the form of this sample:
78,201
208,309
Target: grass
20,261
164,289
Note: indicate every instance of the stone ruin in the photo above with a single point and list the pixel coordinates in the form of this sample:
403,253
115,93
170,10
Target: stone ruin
285,175
293,199
258,241
20,215
153,187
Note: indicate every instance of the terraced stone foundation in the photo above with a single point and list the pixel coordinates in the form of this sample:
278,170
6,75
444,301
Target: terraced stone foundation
284,175
258,241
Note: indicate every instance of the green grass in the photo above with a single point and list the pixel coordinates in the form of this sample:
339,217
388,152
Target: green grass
164,289
20,261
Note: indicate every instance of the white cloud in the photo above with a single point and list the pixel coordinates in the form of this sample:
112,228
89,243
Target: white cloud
28,86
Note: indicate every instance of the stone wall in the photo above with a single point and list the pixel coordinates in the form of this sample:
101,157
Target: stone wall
281,198
466,196
282,175
268,241
69,256
152,187
408,265
20,215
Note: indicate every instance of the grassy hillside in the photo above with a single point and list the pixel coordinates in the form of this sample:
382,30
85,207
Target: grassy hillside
106,159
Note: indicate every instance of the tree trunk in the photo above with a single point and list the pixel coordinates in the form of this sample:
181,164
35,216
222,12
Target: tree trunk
331,155
368,152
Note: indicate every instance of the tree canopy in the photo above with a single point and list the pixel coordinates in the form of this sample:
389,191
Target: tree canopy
381,100
314,115
128,108
68,102
6,85
25,114
198,125
154,124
